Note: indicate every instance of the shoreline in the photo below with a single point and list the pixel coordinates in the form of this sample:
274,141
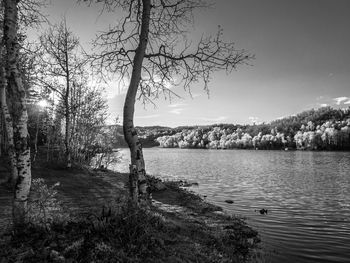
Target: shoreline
232,149
187,219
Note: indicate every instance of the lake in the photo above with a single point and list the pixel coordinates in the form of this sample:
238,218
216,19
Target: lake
307,195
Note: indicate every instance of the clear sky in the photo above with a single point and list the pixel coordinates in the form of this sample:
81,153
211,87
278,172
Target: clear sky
302,50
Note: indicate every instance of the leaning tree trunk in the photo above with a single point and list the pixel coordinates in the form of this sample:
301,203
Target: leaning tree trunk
18,112
137,177
8,126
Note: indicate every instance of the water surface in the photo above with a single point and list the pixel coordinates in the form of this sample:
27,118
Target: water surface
307,195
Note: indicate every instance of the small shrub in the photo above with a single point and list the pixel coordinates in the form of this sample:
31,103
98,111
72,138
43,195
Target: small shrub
43,206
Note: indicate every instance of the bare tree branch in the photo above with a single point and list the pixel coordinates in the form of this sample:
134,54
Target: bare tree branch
170,59
150,46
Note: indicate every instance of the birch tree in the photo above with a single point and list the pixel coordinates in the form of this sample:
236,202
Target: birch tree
7,118
60,65
8,124
150,46
28,15
18,111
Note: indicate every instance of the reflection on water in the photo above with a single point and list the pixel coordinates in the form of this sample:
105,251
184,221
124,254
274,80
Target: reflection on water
307,195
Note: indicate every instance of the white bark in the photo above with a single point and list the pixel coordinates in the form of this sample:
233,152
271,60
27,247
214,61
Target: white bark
137,167
18,112
8,125
68,127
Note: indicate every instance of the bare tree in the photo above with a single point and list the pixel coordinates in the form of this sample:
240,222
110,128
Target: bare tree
150,47
89,113
29,12
61,64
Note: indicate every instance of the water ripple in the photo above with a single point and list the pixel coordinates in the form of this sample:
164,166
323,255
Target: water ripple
307,195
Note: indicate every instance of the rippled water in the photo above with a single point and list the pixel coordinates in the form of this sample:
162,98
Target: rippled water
307,195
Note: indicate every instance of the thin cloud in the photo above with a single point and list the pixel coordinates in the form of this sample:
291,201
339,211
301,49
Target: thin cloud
176,105
176,111
109,85
147,116
195,95
218,119
347,102
339,100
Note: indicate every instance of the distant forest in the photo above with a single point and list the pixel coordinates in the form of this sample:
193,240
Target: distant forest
325,128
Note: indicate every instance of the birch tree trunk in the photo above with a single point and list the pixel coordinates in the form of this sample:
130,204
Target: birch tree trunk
67,136
137,177
18,112
8,126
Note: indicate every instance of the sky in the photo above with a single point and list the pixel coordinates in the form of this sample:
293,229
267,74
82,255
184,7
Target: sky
302,61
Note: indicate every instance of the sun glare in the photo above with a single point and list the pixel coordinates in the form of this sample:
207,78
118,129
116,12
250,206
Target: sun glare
43,103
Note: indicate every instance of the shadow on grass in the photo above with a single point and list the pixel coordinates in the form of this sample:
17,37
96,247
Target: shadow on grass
121,232
128,235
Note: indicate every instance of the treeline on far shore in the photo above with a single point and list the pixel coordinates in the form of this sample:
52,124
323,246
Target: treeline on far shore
325,128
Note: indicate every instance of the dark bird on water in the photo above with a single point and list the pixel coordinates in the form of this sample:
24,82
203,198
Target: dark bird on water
262,211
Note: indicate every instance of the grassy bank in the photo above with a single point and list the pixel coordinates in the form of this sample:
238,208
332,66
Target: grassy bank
86,218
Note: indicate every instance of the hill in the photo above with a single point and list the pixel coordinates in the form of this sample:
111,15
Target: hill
325,128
